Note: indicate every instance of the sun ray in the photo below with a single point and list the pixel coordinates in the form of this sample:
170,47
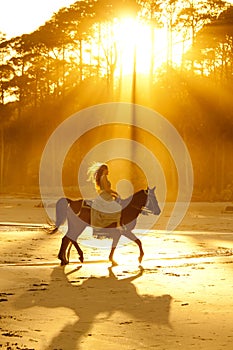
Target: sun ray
133,36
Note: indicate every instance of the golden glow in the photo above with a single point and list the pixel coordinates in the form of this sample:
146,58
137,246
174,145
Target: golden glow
129,34
132,36
135,37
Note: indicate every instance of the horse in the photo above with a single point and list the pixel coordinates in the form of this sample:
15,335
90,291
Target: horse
78,216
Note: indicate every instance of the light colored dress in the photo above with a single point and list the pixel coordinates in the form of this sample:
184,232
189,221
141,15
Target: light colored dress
105,210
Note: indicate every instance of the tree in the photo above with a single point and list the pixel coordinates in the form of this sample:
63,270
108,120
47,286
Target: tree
6,74
151,12
194,15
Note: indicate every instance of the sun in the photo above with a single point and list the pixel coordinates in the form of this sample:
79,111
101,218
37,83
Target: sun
133,38
139,46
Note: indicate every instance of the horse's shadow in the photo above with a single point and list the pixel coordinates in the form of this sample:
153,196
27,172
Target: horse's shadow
95,296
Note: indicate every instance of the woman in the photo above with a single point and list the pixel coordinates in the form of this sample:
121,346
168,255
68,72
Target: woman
105,210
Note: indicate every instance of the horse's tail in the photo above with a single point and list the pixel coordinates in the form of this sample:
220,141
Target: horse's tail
61,211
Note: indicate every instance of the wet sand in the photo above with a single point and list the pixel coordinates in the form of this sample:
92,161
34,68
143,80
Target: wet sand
181,296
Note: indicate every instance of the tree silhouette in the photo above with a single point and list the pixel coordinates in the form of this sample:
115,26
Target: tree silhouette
70,62
196,14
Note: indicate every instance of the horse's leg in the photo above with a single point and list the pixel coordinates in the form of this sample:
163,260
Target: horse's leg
76,225
79,250
68,250
130,235
115,239
62,252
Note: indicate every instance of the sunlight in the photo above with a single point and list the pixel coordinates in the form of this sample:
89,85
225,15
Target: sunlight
133,36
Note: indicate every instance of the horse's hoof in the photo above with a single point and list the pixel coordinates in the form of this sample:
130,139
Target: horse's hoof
140,258
64,262
81,258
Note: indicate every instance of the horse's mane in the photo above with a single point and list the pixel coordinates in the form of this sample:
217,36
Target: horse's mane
136,195
127,199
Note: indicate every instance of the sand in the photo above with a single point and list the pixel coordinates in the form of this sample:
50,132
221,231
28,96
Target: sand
181,296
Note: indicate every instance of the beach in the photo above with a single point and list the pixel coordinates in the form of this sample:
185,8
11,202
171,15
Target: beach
180,296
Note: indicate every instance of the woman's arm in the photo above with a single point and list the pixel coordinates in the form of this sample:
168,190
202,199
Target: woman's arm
106,186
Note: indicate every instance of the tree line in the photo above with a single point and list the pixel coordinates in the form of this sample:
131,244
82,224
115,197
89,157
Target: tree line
70,63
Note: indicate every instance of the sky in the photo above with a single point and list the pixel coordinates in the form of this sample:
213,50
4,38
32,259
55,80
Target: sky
19,17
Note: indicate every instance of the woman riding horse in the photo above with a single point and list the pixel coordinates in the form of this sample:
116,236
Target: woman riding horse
105,213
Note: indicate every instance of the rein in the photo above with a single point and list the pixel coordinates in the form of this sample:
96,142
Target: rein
144,210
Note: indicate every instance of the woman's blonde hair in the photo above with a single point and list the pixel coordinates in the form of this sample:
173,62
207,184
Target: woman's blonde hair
95,172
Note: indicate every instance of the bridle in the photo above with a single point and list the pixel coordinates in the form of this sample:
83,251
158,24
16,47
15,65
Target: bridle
146,209
150,207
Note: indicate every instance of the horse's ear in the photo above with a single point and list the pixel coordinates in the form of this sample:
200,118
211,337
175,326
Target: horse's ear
151,189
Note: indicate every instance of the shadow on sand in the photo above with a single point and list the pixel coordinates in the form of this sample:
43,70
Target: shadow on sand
96,295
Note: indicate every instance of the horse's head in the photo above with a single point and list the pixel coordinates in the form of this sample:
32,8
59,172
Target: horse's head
152,206
144,201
